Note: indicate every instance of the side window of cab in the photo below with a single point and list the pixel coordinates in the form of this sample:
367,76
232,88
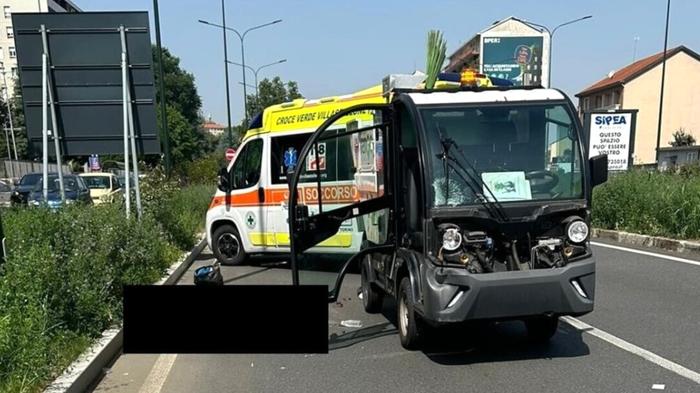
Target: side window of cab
246,170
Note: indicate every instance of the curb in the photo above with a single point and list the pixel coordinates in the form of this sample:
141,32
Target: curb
663,243
80,375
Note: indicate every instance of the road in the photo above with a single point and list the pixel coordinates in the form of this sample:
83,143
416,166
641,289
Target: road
644,335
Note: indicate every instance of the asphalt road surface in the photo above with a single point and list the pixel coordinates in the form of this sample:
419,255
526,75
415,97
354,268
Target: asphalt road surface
644,335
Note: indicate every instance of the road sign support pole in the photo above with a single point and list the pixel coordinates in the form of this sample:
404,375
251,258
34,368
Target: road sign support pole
54,120
132,134
44,130
125,115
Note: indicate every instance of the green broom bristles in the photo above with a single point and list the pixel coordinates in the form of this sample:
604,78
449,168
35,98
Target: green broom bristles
436,57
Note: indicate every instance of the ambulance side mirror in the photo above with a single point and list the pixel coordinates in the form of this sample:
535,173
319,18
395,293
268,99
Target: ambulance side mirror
223,182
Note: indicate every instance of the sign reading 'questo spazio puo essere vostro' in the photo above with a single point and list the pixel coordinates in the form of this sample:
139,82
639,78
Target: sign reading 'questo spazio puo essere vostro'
611,133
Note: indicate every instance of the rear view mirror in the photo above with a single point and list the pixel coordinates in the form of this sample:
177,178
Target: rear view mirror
223,180
599,169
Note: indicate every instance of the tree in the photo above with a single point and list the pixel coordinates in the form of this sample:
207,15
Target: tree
180,90
186,138
682,138
271,92
185,142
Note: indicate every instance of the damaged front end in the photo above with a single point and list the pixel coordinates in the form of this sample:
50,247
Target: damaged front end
524,247
535,265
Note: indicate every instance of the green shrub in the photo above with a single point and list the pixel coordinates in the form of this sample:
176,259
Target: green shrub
651,203
183,213
62,284
205,169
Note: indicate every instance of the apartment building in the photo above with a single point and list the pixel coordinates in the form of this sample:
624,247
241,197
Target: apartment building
638,85
8,54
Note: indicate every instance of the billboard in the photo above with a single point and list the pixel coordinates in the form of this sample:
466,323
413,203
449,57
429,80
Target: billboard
517,59
612,133
85,57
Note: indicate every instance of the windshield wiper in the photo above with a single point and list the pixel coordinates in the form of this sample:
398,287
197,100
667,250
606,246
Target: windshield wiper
493,207
473,176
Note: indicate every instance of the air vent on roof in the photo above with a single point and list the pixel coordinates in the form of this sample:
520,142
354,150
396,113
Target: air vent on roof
611,73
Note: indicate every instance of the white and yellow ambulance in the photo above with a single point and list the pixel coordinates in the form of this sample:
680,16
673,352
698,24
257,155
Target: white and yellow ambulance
248,214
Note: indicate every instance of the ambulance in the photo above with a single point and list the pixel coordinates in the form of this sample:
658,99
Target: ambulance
249,211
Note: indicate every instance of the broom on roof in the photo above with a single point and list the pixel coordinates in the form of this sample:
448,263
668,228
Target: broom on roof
436,56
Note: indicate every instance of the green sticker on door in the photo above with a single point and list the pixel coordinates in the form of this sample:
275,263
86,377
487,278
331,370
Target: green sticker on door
250,220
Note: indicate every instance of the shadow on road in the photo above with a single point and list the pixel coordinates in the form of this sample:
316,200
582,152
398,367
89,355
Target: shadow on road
242,276
484,342
339,341
498,342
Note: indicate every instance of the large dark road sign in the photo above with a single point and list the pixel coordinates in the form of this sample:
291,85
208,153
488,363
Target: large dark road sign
85,57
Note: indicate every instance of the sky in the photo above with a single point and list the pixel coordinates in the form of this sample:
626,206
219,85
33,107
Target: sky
336,47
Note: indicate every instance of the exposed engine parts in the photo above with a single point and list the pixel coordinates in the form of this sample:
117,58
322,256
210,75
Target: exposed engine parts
480,252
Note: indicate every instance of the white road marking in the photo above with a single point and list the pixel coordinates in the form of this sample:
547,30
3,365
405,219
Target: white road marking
648,253
631,348
159,373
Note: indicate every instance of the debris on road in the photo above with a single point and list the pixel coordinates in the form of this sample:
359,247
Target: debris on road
658,386
351,323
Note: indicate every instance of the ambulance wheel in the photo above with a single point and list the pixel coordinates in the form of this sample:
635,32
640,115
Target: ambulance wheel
372,297
410,325
227,245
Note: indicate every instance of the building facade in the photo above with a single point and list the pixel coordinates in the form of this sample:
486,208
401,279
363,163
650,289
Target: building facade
638,85
508,49
213,128
8,54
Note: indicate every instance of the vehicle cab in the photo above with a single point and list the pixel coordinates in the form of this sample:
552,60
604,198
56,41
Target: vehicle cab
475,204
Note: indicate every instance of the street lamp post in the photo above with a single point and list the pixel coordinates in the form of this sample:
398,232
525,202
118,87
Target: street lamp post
241,37
255,71
551,35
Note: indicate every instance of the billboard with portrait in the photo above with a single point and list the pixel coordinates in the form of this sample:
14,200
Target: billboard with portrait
517,59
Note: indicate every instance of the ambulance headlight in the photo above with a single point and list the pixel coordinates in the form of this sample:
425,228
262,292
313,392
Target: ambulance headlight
451,239
577,231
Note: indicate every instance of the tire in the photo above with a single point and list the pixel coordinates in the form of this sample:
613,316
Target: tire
410,328
541,329
372,297
227,246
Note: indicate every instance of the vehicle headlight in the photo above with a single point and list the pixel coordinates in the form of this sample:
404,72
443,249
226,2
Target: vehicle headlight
577,231
69,201
451,239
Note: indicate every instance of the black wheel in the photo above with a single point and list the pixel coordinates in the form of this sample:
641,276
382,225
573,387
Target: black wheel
227,245
410,328
372,297
541,329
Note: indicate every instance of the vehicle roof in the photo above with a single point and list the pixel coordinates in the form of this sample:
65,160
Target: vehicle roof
303,114
484,96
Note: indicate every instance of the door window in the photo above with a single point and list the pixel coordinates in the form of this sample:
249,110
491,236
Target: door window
246,170
341,201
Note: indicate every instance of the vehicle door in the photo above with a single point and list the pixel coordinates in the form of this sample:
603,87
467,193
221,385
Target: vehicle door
340,188
244,202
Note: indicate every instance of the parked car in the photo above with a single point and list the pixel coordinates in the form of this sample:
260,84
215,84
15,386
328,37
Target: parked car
25,187
104,187
5,193
75,189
